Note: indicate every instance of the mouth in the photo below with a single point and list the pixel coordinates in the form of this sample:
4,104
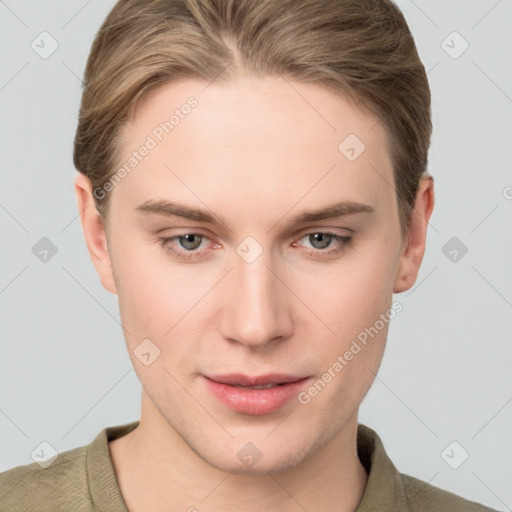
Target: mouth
266,386
254,395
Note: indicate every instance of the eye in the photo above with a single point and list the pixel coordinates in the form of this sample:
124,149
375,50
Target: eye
325,243
190,241
320,240
184,246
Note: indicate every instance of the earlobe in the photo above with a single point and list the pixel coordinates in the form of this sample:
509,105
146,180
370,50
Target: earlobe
94,232
413,248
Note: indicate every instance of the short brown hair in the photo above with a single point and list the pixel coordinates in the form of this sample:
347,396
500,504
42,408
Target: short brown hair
362,49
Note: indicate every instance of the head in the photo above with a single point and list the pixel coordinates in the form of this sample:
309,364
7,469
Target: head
216,139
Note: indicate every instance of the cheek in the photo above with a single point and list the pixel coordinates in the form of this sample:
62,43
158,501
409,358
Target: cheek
164,302
353,299
156,303
349,295
150,292
356,306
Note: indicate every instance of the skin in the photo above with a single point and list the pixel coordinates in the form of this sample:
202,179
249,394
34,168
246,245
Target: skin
255,153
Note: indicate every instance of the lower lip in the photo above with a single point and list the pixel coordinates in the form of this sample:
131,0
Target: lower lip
255,401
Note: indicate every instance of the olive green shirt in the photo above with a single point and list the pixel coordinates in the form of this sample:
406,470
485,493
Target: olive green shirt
83,480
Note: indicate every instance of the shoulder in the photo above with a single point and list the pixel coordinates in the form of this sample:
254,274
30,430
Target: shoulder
61,486
424,497
389,489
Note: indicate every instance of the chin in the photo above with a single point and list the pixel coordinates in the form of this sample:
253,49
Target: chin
258,458
275,464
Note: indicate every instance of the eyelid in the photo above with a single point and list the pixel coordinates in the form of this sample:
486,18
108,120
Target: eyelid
184,230
323,229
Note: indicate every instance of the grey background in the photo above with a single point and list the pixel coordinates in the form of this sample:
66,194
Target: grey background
445,377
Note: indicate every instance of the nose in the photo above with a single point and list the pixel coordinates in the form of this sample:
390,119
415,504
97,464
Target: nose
256,308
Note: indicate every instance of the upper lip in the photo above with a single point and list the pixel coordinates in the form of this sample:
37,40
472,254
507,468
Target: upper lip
258,380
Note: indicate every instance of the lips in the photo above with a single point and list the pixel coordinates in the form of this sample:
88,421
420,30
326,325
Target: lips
238,379
254,395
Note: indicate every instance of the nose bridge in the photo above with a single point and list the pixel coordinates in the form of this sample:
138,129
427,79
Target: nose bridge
254,312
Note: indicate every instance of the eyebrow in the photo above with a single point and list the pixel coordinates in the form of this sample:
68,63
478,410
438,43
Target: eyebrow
174,209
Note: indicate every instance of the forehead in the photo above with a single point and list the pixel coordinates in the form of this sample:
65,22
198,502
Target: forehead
261,139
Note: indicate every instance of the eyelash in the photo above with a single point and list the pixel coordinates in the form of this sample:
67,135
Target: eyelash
344,242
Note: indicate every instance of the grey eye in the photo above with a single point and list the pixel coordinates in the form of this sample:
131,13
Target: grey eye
320,240
190,241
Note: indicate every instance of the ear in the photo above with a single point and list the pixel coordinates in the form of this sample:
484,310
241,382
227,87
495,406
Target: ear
94,232
413,247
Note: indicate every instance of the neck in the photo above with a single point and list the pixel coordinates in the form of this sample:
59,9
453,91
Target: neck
332,478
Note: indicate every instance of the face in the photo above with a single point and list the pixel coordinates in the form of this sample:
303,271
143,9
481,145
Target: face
249,247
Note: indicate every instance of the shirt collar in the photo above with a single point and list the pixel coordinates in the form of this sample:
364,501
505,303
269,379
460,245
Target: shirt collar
105,492
384,489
